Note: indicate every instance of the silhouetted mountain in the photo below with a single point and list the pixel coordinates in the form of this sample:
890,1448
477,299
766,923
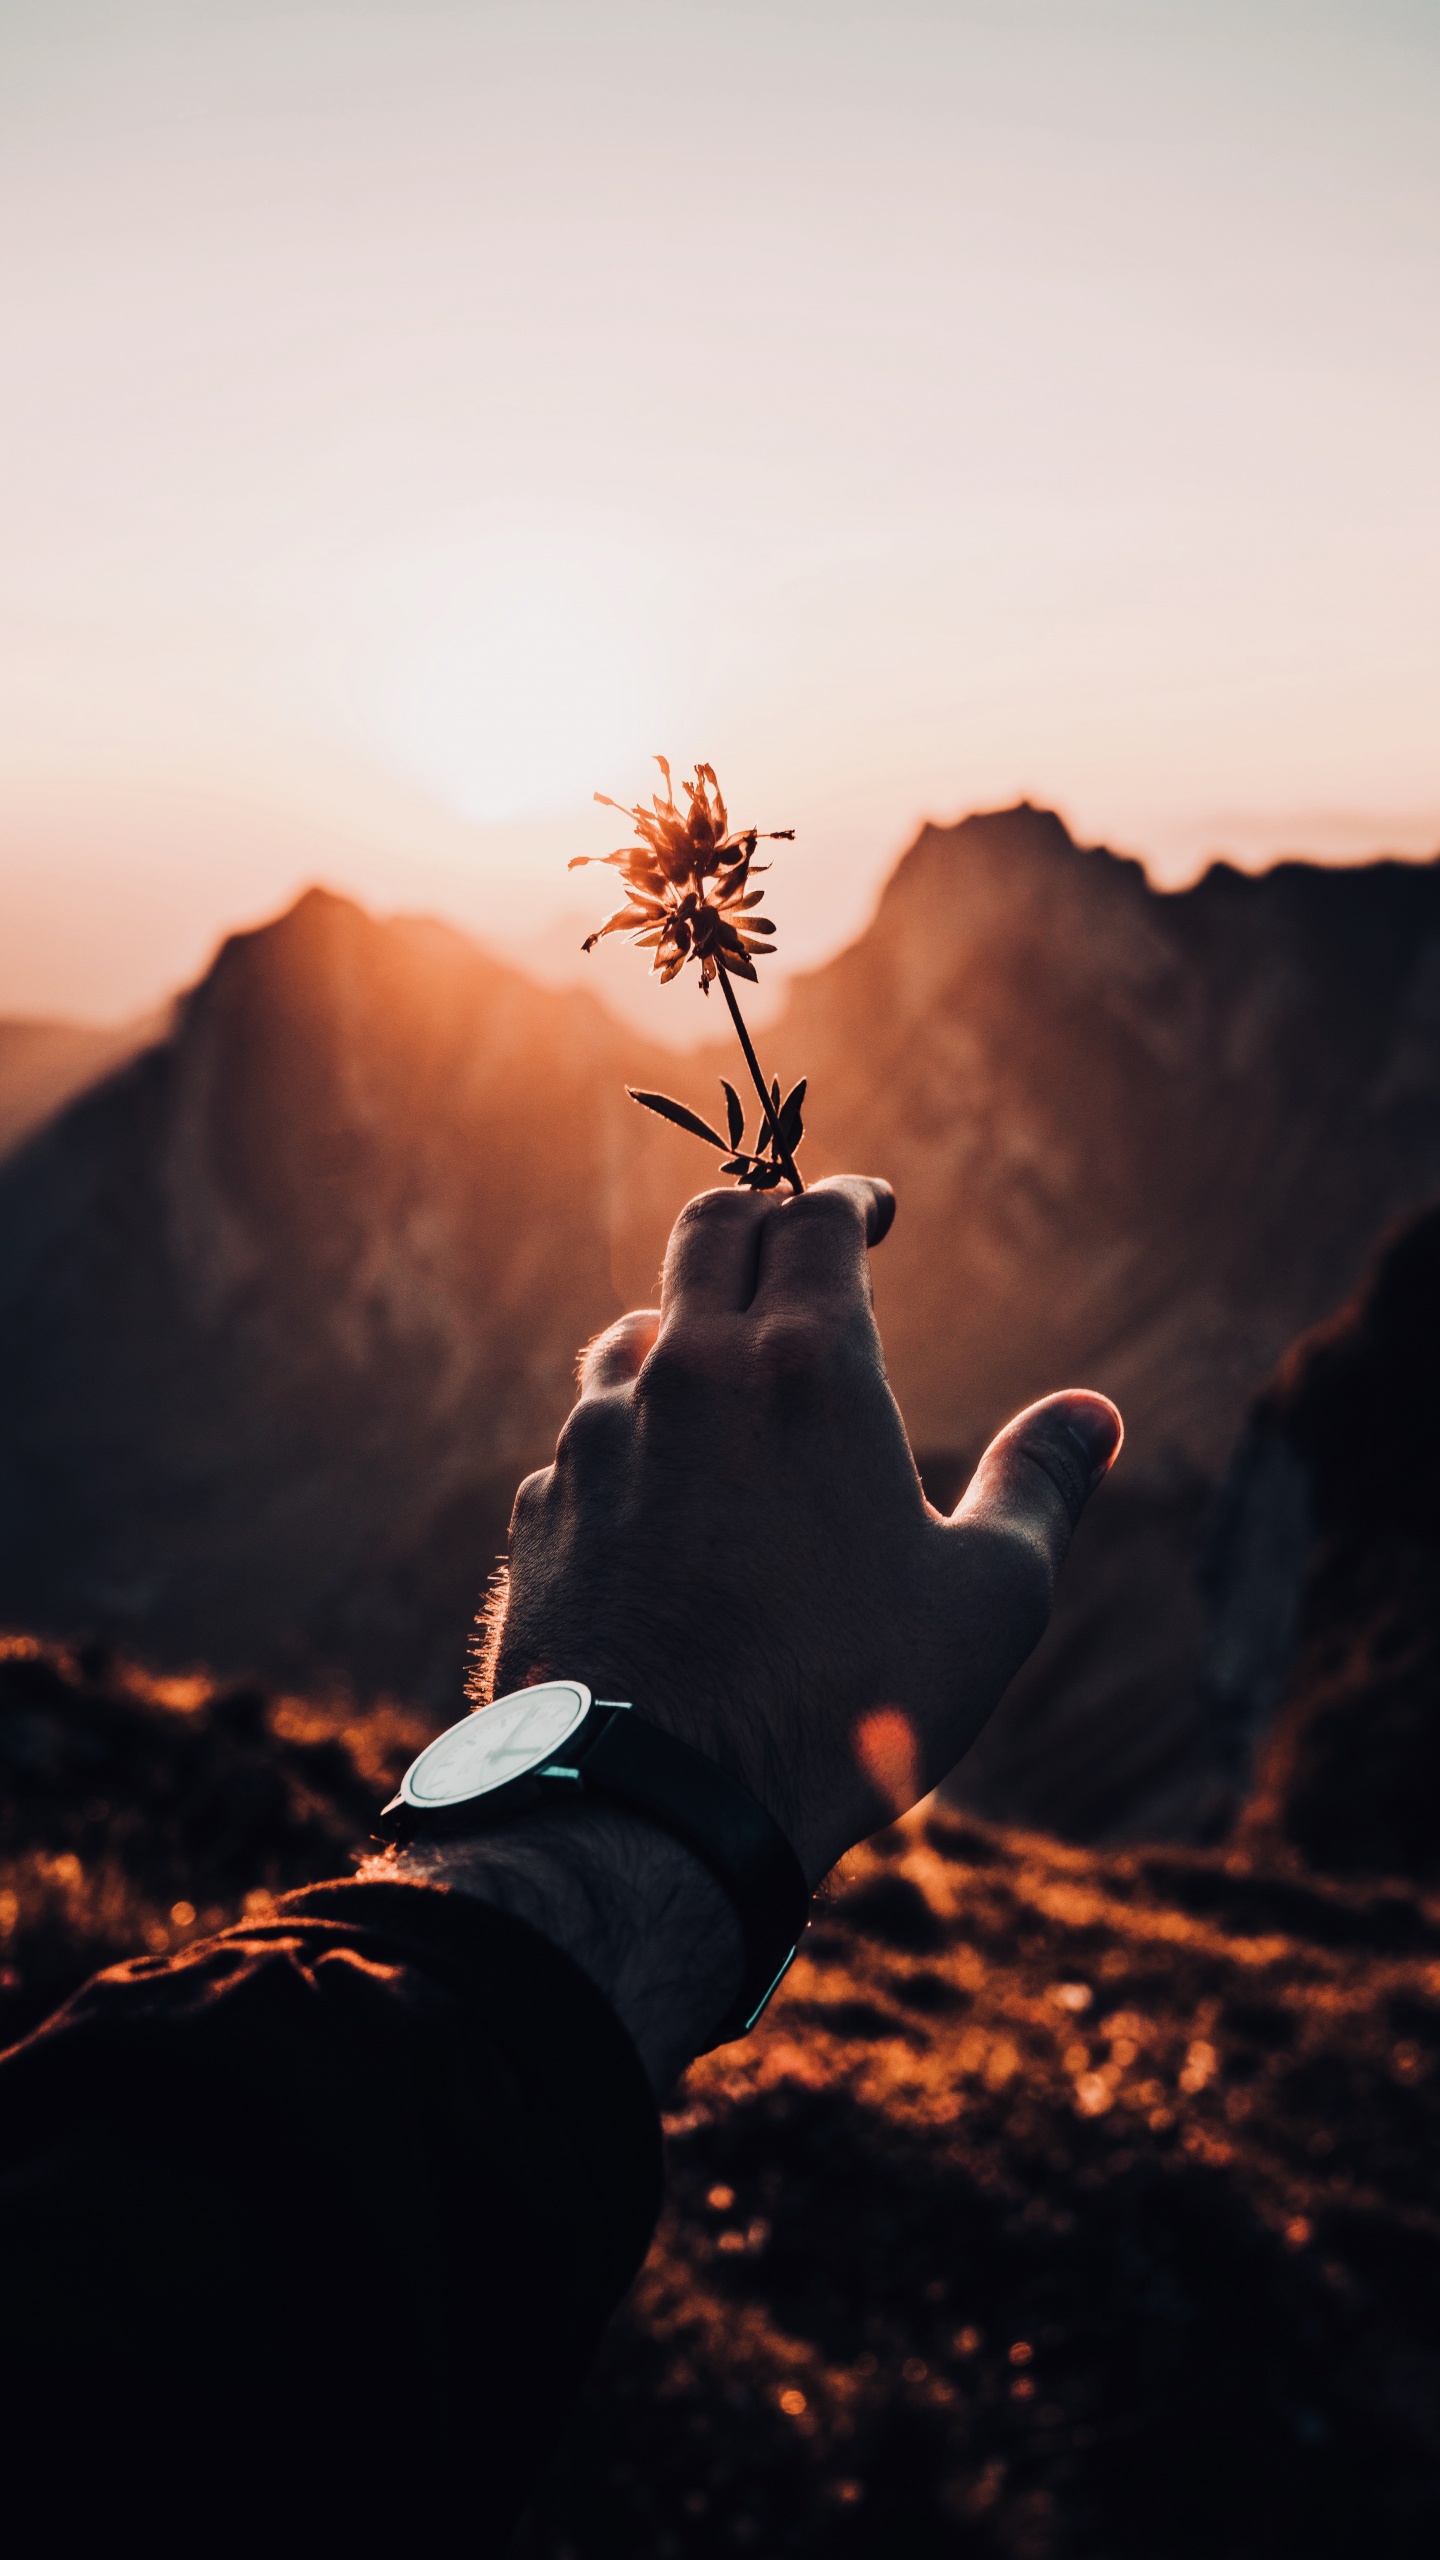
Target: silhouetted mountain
291,1302
1327,1583
1139,1139
288,1305
43,1063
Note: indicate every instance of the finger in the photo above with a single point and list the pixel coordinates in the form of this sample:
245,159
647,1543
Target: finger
712,1256
1039,1472
614,1357
813,1249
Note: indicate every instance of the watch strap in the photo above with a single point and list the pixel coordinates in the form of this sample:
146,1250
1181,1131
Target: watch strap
621,1758
654,1773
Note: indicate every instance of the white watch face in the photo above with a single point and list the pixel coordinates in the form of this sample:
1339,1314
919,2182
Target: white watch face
496,1744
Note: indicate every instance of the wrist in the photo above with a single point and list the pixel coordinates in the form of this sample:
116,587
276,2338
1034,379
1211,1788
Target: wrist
627,1902
553,1746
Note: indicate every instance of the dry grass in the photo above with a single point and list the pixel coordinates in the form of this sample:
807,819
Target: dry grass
1067,2206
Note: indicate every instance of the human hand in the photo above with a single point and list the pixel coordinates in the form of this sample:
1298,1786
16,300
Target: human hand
733,1534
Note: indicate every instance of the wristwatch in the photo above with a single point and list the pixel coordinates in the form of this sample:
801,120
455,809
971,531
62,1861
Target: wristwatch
555,1744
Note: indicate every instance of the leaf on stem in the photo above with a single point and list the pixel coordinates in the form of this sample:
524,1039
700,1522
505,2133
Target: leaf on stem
676,1111
735,1112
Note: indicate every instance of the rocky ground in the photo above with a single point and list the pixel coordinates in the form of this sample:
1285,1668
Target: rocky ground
1067,2204
139,1812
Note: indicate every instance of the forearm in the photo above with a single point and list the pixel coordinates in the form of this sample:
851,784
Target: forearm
640,1916
383,2163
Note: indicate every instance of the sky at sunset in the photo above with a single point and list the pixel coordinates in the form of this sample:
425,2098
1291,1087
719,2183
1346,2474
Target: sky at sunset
414,415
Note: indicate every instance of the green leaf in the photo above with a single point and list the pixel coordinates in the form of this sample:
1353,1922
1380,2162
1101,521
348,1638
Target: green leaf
791,1124
735,1111
676,1111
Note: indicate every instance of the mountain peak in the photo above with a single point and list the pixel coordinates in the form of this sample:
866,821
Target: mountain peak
999,863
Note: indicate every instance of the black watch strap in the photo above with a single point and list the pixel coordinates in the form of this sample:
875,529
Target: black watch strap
639,1765
620,1758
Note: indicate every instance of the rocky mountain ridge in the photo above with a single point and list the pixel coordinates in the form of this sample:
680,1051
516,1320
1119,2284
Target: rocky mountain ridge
292,1300
1141,1138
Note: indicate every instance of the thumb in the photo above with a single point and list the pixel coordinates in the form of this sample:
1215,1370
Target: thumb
1039,1472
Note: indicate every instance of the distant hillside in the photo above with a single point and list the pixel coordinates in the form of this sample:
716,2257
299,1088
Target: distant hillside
1327,1583
1139,1139
43,1063
289,1303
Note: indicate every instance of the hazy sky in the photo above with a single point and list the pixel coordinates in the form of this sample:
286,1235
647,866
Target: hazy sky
414,415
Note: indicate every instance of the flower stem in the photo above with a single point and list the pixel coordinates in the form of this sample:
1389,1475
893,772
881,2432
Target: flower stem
783,1156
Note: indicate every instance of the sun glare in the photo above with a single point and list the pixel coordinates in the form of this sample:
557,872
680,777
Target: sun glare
513,702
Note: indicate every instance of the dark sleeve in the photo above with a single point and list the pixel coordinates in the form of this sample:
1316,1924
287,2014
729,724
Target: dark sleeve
307,2235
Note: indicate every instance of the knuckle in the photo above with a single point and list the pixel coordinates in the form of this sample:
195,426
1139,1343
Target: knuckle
711,1209
667,1372
684,1358
829,1212
791,1344
592,1354
615,1346
587,1432
530,1499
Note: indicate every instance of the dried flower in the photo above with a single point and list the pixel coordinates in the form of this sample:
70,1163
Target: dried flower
689,882
690,898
